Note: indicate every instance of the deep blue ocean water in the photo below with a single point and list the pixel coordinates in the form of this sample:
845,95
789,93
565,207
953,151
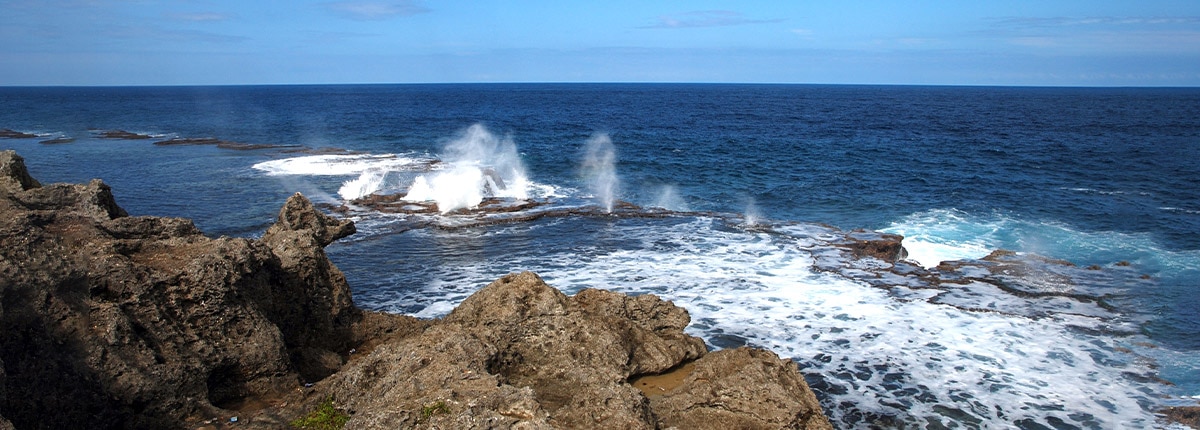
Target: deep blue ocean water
1094,176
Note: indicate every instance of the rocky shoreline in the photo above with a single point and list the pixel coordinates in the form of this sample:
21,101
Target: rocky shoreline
117,321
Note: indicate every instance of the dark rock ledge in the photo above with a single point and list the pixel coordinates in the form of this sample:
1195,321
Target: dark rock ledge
115,321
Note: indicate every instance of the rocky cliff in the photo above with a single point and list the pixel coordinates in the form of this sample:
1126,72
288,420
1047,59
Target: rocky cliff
116,321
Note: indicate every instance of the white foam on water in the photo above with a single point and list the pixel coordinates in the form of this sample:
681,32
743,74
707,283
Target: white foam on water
339,165
939,235
874,357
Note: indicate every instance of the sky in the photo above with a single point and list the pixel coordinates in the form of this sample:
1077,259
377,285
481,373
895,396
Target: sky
214,42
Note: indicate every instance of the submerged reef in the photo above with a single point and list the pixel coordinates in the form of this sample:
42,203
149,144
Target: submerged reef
113,321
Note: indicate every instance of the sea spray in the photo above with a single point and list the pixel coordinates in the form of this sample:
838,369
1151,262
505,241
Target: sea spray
479,164
368,182
599,168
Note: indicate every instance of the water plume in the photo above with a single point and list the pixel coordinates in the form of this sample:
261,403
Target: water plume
477,165
599,168
368,182
752,215
669,199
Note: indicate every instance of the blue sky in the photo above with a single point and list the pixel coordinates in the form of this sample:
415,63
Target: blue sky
196,42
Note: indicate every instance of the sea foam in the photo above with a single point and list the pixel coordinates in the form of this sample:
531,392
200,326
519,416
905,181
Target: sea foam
339,165
877,355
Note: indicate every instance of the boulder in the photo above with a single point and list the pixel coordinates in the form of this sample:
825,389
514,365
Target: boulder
741,388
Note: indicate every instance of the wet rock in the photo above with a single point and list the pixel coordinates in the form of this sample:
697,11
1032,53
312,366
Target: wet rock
1186,415
143,322
13,134
57,140
223,144
884,246
122,134
741,388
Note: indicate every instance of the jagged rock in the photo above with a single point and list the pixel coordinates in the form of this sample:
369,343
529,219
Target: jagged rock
317,322
13,174
741,388
110,321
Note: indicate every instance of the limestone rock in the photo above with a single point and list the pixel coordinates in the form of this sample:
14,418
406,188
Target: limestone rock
741,388
521,354
142,322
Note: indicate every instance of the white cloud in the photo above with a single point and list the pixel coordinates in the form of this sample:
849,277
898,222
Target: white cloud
375,10
200,16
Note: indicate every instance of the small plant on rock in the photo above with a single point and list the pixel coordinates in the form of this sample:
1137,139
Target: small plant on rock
436,408
324,417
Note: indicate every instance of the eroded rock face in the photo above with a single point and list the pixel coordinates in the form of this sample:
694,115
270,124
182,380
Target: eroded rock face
142,322
521,354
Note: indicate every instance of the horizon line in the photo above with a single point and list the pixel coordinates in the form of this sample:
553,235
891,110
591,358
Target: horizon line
593,83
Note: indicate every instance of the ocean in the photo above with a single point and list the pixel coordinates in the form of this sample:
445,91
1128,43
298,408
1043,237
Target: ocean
724,199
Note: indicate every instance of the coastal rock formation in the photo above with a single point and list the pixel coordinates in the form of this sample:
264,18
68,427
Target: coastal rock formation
122,134
116,321
223,144
143,322
13,134
521,354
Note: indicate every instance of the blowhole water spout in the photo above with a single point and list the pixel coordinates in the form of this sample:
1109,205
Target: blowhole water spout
478,165
599,168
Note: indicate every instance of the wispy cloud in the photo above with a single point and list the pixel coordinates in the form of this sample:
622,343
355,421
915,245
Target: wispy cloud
375,10
1061,21
200,16
154,33
1172,35
706,18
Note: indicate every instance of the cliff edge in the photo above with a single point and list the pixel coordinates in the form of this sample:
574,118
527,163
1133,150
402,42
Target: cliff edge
112,321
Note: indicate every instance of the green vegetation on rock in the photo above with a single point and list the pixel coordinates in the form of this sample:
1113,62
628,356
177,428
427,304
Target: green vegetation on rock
324,417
